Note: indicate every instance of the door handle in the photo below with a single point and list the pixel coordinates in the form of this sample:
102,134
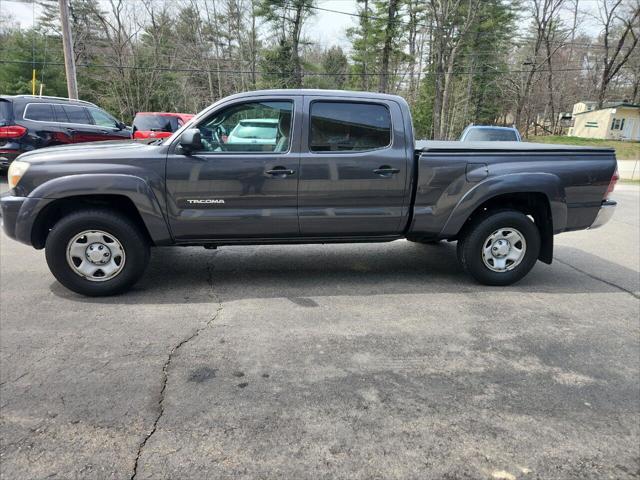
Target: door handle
386,171
280,171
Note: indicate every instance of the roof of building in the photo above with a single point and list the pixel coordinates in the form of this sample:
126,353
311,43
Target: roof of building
609,105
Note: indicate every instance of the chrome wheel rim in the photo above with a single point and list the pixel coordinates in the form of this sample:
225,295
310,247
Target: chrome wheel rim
95,255
504,250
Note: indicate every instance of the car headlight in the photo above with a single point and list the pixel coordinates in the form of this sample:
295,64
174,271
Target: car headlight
16,170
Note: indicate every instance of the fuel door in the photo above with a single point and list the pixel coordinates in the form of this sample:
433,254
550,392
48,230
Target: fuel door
476,172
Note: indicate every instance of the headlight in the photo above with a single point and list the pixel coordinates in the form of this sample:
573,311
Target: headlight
16,170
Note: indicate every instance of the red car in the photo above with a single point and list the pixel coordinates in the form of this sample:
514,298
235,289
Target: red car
158,124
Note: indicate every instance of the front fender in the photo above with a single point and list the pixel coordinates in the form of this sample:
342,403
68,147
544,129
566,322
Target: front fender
130,186
546,183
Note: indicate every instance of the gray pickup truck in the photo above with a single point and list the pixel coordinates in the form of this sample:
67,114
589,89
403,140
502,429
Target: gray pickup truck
308,166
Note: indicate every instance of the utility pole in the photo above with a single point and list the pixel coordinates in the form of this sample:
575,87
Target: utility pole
67,44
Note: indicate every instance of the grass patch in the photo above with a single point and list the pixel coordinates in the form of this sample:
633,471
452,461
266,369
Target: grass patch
624,150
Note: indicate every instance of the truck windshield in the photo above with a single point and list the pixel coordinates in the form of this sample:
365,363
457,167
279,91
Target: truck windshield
5,112
490,135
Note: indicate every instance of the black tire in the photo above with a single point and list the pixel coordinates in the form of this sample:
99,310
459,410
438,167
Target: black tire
472,242
132,240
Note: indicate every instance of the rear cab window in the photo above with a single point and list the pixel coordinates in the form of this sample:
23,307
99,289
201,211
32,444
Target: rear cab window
338,126
157,123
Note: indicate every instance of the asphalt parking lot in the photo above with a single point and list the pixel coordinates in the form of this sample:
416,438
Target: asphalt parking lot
336,361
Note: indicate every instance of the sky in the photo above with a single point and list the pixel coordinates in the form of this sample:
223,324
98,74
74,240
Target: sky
327,28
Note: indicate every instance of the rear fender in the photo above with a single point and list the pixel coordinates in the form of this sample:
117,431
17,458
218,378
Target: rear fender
545,183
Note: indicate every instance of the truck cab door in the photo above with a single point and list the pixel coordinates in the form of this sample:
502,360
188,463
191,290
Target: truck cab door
354,169
243,181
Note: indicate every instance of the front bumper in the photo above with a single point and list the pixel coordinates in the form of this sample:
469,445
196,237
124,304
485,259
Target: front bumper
10,208
605,213
19,215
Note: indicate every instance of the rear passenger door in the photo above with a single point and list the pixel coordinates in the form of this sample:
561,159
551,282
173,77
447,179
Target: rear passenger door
353,169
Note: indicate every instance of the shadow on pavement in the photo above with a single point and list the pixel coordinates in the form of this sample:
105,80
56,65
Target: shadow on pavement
195,275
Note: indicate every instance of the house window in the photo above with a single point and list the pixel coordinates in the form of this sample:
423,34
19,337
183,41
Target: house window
617,124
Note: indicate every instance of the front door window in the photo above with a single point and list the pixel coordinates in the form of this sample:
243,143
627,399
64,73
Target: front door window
249,127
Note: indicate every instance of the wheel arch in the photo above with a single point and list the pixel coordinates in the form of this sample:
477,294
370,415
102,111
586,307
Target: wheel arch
57,209
126,194
539,195
533,204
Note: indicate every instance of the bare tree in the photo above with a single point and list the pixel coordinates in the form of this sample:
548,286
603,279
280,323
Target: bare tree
389,34
621,29
452,21
544,14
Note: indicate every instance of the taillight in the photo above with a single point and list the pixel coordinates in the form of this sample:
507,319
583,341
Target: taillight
612,183
12,131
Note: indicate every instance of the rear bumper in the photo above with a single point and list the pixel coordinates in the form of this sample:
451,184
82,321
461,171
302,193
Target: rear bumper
605,213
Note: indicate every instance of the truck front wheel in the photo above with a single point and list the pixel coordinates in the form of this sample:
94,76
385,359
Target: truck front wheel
500,247
96,252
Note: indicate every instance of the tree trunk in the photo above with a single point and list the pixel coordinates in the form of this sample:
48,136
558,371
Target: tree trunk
295,45
383,86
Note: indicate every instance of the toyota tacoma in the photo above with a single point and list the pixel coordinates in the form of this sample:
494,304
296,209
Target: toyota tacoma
337,167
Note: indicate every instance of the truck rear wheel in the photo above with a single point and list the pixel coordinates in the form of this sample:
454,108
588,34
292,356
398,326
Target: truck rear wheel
499,248
96,252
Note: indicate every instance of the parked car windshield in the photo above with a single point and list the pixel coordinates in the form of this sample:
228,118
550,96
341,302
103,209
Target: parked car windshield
490,135
5,112
158,123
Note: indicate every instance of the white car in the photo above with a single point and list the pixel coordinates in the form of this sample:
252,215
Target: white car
260,131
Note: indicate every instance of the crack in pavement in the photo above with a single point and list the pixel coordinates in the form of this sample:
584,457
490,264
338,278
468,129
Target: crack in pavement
15,379
590,275
165,372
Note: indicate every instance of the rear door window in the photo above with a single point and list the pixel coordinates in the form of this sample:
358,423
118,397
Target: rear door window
41,112
349,127
60,115
77,114
6,112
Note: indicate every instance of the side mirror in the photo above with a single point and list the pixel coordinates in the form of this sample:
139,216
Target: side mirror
121,126
190,141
